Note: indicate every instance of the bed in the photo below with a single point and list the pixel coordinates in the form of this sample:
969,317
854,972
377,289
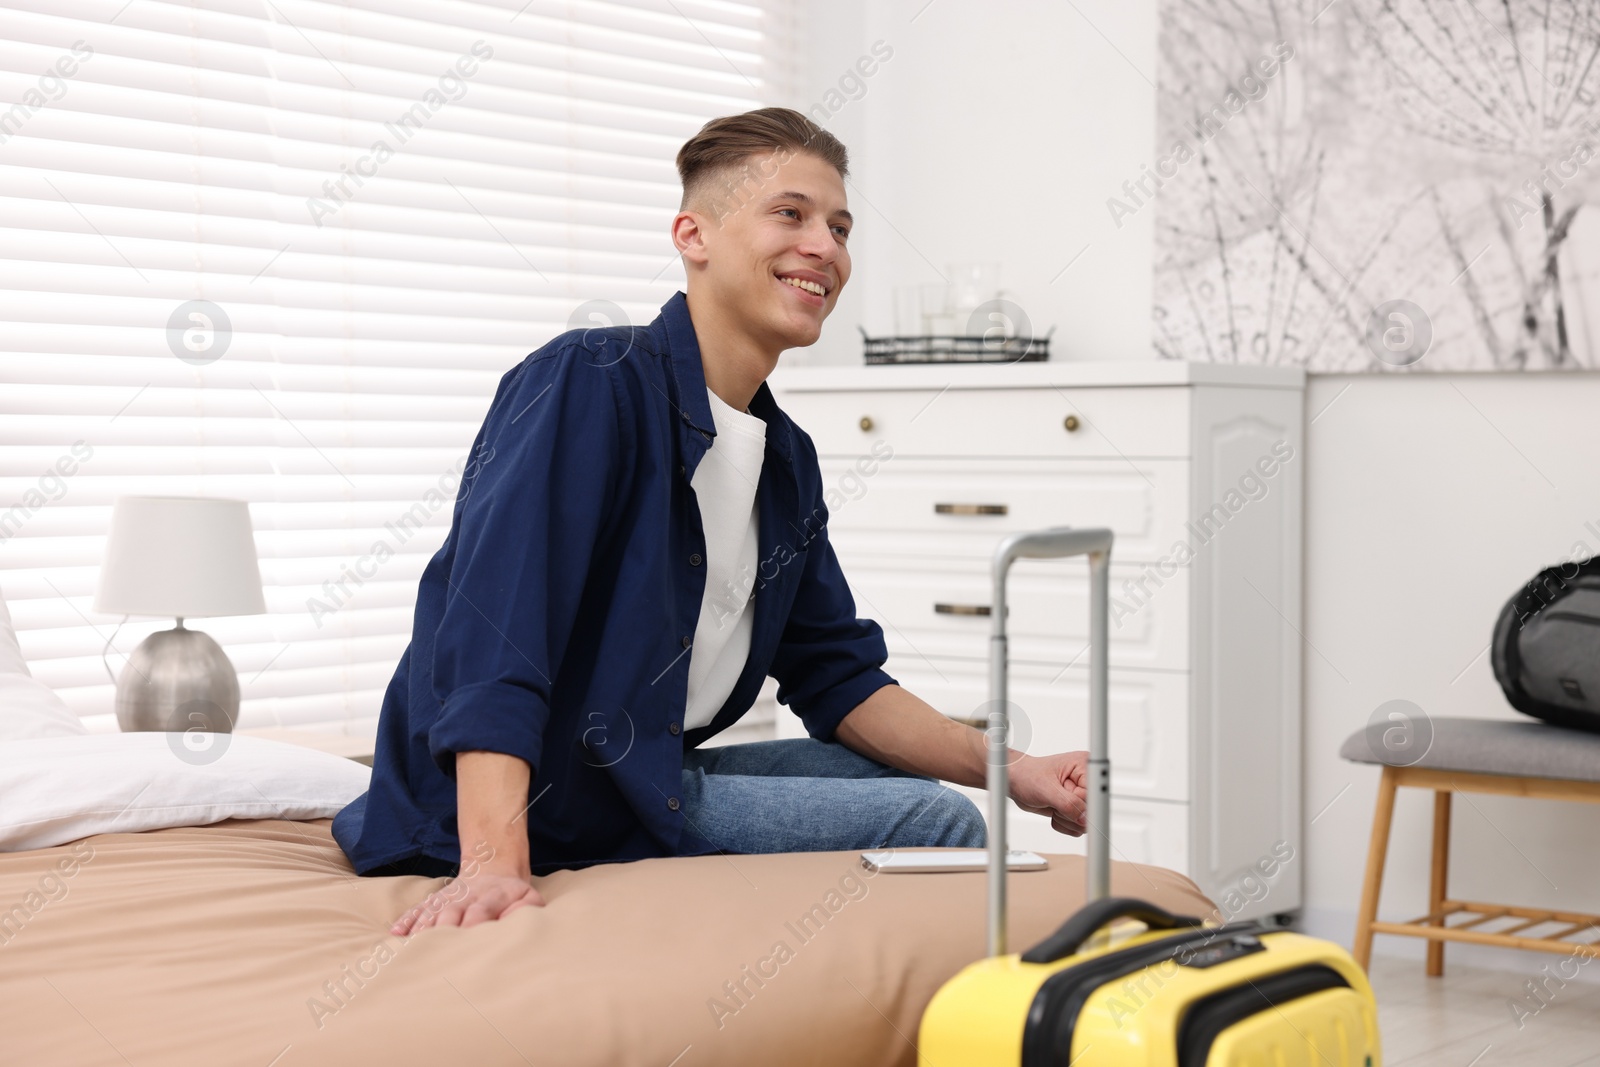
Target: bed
250,942
178,899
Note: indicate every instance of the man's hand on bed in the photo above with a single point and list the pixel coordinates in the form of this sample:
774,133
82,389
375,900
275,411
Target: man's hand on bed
469,899
494,879
1054,786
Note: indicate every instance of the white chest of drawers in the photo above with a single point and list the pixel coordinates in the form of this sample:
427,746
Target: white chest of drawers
1197,470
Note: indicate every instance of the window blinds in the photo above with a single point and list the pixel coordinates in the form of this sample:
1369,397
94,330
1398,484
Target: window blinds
282,251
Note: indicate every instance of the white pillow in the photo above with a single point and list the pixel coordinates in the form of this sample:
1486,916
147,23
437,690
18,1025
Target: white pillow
59,789
28,707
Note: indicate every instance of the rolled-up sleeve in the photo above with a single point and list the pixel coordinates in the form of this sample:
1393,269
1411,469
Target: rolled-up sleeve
828,661
543,476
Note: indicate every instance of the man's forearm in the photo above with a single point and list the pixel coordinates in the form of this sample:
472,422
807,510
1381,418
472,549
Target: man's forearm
898,728
491,811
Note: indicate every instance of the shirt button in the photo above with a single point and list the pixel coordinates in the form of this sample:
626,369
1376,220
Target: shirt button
682,469
672,728
685,415
694,559
672,802
687,642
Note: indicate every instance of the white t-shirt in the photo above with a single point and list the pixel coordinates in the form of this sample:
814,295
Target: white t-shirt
724,486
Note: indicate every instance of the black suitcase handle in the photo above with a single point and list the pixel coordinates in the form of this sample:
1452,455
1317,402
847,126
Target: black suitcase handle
1092,917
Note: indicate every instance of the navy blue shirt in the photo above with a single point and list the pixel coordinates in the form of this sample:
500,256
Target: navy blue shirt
555,622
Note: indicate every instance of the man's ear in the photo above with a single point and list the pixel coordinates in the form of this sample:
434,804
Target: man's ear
689,236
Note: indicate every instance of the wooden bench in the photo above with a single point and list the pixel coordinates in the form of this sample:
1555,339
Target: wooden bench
1510,758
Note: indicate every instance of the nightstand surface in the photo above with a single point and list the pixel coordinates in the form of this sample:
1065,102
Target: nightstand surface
356,748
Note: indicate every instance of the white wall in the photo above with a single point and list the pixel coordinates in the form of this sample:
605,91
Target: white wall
993,132
1429,498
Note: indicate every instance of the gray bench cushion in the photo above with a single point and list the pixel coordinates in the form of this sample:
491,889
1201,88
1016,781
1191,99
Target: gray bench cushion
1520,748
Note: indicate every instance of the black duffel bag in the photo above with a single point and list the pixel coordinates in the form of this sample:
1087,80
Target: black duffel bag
1546,648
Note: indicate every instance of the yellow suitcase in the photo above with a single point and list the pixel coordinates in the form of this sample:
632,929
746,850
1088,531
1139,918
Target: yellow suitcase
1175,993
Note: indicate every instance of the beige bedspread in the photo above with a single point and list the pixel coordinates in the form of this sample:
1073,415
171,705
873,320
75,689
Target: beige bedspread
251,943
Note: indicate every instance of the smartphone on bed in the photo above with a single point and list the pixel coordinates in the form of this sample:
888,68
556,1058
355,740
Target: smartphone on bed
977,859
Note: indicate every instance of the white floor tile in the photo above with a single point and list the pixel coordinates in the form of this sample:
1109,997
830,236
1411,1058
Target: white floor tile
1465,1018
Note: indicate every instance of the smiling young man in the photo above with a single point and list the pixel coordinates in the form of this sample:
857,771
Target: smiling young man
640,542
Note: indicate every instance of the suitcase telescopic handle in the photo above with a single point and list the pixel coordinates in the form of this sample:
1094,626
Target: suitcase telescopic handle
1093,917
1053,543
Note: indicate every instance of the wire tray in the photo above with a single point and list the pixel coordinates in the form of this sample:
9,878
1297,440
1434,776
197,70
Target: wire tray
955,348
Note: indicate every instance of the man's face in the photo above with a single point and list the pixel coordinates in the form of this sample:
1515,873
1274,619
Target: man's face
784,216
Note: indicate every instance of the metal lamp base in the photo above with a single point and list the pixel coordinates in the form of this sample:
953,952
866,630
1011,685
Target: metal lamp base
177,680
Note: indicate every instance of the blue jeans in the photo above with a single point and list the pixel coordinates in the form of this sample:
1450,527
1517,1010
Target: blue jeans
805,795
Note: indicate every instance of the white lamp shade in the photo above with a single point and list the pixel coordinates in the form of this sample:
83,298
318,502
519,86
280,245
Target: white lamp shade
180,556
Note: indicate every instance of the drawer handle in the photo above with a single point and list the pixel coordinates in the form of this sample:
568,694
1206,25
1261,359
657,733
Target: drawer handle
1071,423
970,509
866,423
961,609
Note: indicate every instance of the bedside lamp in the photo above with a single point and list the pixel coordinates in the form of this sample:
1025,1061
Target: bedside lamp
186,557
